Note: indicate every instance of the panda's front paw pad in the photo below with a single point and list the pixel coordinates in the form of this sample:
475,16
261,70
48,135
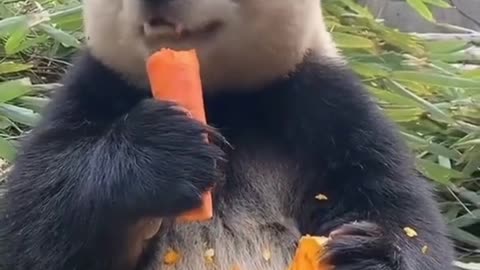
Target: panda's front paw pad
361,246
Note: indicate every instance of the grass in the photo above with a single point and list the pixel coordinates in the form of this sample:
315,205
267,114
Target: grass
416,82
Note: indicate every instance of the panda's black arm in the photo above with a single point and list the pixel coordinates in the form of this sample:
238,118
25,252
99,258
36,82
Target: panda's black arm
102,158
353,156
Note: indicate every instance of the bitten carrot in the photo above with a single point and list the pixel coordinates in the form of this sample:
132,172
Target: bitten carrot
175,76
309,249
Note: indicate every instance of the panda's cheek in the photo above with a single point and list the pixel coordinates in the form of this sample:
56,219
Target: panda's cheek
130,14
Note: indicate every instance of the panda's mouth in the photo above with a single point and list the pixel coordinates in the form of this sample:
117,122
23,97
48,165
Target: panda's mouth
159,28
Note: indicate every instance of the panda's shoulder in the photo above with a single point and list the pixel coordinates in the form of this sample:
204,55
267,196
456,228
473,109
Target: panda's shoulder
90,90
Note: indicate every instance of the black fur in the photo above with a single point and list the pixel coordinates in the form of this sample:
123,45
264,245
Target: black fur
106,154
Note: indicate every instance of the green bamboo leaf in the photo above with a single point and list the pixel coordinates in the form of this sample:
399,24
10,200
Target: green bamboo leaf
467,266
436,113
472,74
435,79
468,143
61,36
445,68
7,150
13,67
9,25
344,40
402,41
451,57
421,9
434,148
19,114
370,69
71,21
438,3
15,88
450,210
32,42
404,115
467,219
34,103
5,123
360,10
15,40
473,163
445,46
468,195
391,98
464,236
75,10
436,172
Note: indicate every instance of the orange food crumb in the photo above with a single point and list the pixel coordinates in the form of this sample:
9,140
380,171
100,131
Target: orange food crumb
267,255
171,257
209,255
310,248
410,232
321,197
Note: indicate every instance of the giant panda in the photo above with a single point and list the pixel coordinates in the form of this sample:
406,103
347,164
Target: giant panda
297,148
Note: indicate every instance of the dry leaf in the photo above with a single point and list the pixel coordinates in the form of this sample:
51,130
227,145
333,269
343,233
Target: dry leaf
424,249
172,257
410,232
267,255
321,197
209,254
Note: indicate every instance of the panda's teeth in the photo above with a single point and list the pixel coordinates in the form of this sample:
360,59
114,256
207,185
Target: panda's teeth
178,31
158,30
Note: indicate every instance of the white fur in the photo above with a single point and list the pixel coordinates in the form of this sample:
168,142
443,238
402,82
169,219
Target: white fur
260,40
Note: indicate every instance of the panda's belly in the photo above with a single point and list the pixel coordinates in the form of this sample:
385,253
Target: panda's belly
252,228
238,241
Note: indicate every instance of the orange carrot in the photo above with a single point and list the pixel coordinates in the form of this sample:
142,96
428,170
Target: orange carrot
309,249
175,76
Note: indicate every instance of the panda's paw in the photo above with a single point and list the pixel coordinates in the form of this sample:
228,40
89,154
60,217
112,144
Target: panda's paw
361,246
175,161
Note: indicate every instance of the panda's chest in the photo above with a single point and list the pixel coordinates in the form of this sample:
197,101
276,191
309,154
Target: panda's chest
240,241
252,228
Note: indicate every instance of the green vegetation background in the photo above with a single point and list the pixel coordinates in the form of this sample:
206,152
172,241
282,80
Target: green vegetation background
435,103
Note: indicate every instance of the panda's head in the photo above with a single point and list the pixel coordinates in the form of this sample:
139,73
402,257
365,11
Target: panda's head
240,42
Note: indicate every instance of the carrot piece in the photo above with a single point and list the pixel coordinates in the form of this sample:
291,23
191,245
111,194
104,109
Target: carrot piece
310,248
175,76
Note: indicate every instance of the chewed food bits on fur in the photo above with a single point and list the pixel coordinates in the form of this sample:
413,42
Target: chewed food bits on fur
410,232
266,254
321,197
424,249
172,257
209,255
